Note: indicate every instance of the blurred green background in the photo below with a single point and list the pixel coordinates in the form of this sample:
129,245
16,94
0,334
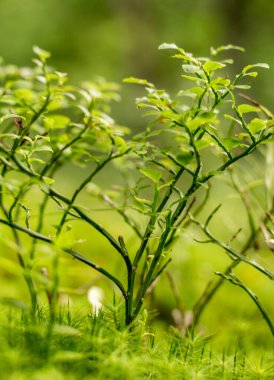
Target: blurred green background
119,38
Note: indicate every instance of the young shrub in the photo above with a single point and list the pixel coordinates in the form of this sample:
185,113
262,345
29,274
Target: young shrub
47,124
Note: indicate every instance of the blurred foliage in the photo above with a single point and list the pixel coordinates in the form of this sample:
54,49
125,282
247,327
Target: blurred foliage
118,38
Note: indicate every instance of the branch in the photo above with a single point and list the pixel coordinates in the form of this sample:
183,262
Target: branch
236,281
70,251
86,218
232,252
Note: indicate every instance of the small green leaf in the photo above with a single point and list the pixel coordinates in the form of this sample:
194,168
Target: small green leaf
10,135
23,152
203,143
242,86
11,116
270,123
120,142
246,108
142,200
48,181
62,77
195,123
190,69
210,66
230,143
252,74
195,79
242,136
248,67
184,158
41,79
166,184
168,46
43,55
86,95
192,92
208,116
220,83
138,81
215,51
44,148
56,121
84,110
37,160
141,205
38,62
229,117
24,94
256,125
216,172
154,175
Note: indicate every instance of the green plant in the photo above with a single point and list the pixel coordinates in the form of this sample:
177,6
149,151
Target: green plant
84,347
47,124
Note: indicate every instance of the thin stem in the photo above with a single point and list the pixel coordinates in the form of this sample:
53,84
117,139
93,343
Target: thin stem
35,117
79,189
70,251
228,91
152,220
147,235
59,153
219,142
54,194
128,297
213,288
26,273
244,199
126,218
245,127
42,210
179,222
236,281
233,253
155,260
161,270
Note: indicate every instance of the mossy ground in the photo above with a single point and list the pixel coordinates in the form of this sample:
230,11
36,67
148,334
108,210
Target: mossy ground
84,346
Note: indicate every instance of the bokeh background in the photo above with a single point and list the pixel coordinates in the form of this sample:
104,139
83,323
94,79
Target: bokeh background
119,38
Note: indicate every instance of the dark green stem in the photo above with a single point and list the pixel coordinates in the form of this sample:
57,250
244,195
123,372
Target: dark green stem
213,288
70,251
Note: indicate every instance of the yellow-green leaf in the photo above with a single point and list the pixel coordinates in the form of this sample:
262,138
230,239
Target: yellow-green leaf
184,158
137,81
154,175
190,69
56,121
248,67
246,108
168,46
42,54
48,181
256,125
230,143
210,66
